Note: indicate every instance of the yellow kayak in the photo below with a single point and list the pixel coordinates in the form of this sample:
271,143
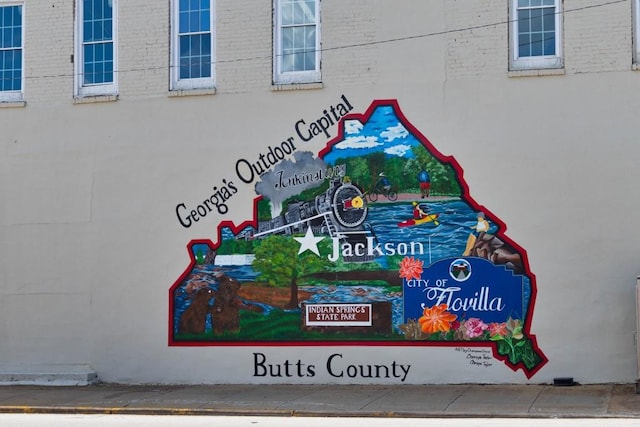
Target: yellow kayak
411,222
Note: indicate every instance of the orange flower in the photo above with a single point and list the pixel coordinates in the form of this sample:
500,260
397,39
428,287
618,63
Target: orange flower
498,329
411,268
436,319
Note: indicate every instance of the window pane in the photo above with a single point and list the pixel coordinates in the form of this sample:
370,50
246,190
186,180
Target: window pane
524,23
549,44
287,39
205,20
310,40
206,66
108,9
98,34
524,45
194,21
99,53
98,10
87,10
310,12
287,13
87,32
536,44
88,73
536,2
89,53
184,22
549,20
304,12
523,3
6,38
17,37
536,20
184,68
298,13
310,61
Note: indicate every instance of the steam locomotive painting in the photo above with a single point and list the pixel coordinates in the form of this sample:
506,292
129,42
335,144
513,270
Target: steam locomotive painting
340,212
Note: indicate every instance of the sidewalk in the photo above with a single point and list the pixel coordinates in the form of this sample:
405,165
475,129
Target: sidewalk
532,401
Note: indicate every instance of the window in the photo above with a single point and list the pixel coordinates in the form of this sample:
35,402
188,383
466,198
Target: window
11,52
296,41
536,34
96,48
192,44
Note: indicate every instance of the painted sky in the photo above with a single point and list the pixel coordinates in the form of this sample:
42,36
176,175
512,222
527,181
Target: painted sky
383,132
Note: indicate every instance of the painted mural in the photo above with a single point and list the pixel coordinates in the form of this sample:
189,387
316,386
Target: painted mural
374,240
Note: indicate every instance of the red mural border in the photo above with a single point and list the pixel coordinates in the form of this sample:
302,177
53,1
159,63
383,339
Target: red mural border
364,117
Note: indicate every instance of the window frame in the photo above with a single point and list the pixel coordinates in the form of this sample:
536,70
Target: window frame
16,95
176,83
517,62
97,89
636,32
293,77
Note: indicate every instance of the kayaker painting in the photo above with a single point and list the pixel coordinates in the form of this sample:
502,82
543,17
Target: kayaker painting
420,216
331,256
418,213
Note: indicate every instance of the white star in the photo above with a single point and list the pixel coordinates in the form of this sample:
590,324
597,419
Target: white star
309,242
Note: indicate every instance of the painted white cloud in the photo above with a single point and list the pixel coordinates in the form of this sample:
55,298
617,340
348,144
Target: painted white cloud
358,142
352,126
394,132
398,150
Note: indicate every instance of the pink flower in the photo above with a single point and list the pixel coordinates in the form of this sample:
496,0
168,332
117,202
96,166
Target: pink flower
474,327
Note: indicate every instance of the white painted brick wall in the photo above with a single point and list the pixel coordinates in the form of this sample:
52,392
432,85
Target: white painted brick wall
476,43
477,38
597,39
48,47
143,43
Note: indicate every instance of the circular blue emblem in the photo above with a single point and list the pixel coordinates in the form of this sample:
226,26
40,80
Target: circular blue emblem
460,270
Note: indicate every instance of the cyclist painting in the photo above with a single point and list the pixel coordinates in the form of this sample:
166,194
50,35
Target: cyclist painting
383,185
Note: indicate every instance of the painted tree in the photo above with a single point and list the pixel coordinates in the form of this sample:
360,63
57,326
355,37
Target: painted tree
278,264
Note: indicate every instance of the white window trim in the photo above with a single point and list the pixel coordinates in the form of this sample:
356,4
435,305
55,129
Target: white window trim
636,33
16,95
294,77
535,62
177,84
100,89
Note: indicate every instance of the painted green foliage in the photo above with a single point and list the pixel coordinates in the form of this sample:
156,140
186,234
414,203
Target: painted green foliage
277,260
402,172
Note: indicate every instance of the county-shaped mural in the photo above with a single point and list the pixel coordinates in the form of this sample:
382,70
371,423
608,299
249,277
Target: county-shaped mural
374,240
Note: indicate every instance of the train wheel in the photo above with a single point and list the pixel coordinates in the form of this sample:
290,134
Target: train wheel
349,206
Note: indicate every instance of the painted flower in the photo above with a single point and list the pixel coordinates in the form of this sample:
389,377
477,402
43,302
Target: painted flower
412,330
514,326
474,327
436,319
411,268
498,329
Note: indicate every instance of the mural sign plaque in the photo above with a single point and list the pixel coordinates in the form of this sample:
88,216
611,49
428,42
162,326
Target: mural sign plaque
374,240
